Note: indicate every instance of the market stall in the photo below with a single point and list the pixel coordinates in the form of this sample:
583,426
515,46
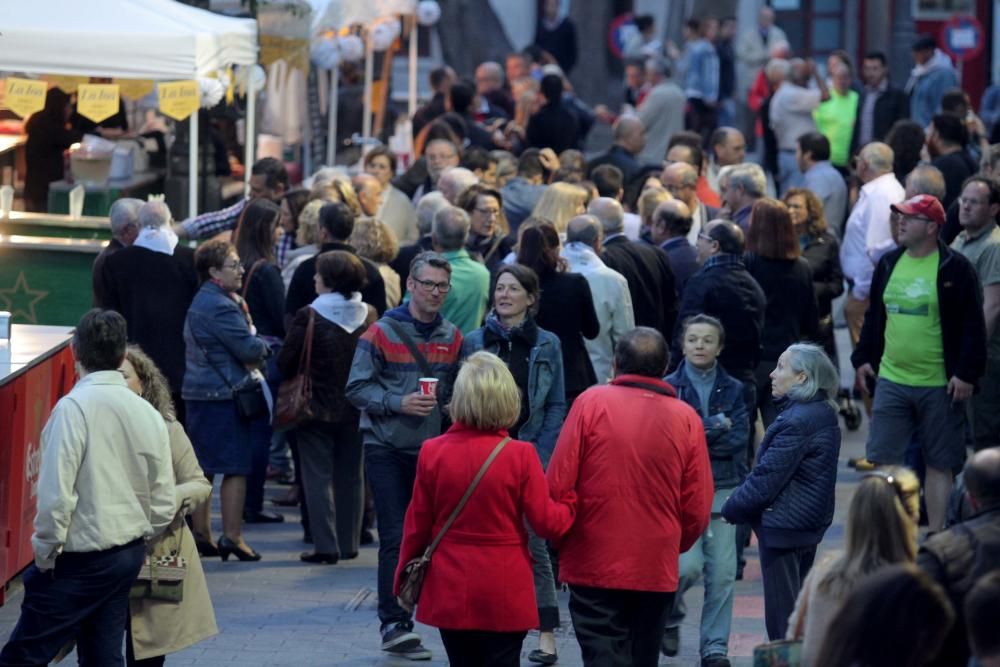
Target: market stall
36,370
158,40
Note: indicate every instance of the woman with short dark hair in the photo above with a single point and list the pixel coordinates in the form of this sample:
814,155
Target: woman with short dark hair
774,259
488,230
223,353
329,443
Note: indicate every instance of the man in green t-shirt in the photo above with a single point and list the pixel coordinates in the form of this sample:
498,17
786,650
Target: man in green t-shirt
835,117
979,242
925,339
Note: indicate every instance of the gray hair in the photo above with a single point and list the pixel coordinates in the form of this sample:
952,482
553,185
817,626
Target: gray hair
154,214
750,177
925,179
777,68
609,213
584,229
659,65
879,156
427,208
820,373
431,259
451,228
455,181
124,214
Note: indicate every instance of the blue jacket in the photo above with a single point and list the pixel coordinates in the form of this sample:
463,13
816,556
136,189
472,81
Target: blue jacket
726,446
927,89
788,497
216,326
546,388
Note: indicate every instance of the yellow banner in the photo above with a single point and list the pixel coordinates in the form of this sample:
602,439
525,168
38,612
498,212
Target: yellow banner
97,101
25,96
66,83
135,89
179,99
293,51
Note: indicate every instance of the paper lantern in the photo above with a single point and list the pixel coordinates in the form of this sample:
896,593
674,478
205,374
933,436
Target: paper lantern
325,53
382,36
352,49
212,91
428,12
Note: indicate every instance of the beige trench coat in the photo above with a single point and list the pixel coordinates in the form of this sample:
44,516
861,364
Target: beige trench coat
160,627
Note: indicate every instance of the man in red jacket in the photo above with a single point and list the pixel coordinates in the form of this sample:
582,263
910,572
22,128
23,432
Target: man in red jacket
636,457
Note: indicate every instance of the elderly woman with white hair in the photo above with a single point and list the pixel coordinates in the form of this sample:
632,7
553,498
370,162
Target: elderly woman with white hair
789,495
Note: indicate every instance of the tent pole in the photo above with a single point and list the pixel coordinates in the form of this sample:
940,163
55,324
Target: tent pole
250,140
414,30
332,101
366,125
193,165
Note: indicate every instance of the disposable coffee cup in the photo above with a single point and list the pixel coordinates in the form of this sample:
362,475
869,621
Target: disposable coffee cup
428,386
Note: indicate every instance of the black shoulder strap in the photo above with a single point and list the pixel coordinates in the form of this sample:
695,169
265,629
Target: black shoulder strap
400,331
208,360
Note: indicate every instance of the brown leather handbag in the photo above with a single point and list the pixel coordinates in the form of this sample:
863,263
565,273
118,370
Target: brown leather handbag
412,576
294,404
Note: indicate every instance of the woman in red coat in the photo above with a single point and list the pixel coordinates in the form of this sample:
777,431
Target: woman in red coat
479,588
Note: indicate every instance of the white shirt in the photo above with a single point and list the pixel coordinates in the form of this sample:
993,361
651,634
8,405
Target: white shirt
867,235
699,218
612,302
792,107
106,474
633,226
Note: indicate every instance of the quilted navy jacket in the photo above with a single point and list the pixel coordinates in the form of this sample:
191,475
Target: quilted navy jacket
788,497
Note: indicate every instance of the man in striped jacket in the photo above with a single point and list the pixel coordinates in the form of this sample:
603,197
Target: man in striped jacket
409,343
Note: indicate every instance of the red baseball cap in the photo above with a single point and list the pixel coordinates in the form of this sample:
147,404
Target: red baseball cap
922,206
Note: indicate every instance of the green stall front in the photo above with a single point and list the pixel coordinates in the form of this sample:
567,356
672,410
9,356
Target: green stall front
45,266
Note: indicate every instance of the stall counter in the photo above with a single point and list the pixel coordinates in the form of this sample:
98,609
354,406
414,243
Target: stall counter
46,280
36,370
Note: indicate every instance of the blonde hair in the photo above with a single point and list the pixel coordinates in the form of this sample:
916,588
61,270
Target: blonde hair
560,203
308,231
648,201
338,189
485,395
373,240
155,389
881,528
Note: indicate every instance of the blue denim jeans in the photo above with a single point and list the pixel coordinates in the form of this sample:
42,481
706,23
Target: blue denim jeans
85,597
789,175
714,556
391,473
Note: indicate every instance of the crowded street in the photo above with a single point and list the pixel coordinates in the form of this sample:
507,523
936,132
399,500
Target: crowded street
495,333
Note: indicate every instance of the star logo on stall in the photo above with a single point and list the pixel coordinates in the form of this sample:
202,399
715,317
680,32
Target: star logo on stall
21,299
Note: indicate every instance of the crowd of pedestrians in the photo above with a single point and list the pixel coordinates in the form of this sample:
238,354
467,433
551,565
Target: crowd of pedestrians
507,354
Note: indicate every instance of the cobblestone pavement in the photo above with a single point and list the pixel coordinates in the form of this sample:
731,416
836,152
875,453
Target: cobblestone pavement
282,612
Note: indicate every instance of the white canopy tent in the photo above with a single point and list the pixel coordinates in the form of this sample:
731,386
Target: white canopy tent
161,40
336,14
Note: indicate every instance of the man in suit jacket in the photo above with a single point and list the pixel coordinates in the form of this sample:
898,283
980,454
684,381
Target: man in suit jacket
881,103
152,283
681,180
124,219
646,268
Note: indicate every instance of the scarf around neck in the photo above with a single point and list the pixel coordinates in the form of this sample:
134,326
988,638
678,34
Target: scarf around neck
348,314
158,239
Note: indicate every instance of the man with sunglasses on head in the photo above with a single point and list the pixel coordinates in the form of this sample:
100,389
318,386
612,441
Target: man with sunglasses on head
408,344
924,338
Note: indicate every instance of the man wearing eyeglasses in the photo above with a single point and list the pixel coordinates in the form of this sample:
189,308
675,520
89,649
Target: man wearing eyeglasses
924,338
979,242
410,342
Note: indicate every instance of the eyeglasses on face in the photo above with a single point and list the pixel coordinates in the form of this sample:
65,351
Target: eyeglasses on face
235,266
430,286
